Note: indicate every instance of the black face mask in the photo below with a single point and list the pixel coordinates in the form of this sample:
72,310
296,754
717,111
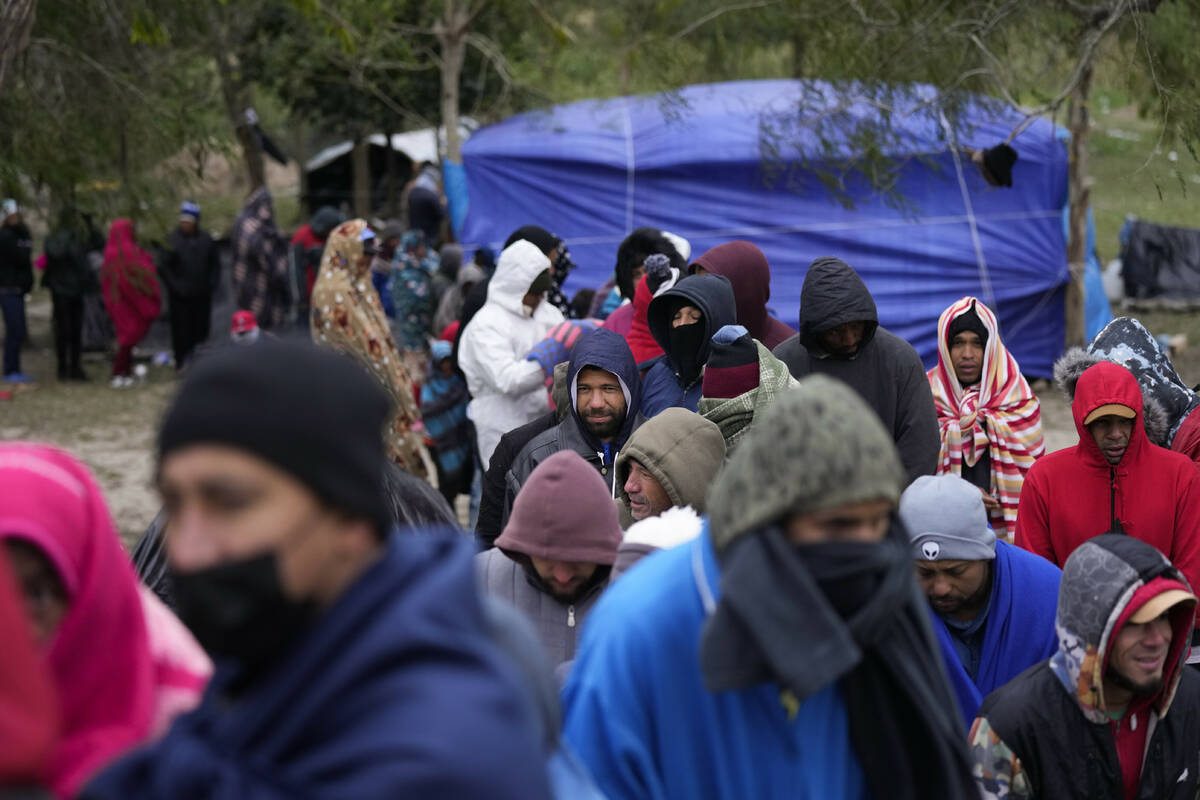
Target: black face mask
237,610
686,343
848,573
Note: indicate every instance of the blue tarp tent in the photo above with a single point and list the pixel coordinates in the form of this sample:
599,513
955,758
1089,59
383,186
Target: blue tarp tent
727,161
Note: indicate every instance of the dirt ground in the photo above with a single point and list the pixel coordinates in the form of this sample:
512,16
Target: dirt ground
113,430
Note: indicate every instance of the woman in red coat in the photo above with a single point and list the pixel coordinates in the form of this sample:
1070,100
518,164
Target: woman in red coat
129,284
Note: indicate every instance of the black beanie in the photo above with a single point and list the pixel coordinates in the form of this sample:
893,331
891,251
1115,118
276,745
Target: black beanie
967,321
312,413
537,236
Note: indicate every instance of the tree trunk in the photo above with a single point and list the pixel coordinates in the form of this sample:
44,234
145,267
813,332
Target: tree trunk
389,201
360,159
450,37
1079,183
237,100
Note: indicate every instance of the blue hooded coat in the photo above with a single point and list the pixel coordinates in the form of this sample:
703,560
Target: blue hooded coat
639,716
604,350
397,690
663,387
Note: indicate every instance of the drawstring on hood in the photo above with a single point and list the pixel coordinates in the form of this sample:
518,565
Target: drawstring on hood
1100,385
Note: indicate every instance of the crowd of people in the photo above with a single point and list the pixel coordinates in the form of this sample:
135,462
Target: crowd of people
708,555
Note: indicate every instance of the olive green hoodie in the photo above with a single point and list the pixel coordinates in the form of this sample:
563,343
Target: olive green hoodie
682,450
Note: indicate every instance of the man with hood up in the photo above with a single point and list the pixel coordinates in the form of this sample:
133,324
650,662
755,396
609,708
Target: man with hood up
786,652
1114,479
606,398
990,420
668,462
683,320
1168,403
507,390
840,336
1092,721
554,556
747,270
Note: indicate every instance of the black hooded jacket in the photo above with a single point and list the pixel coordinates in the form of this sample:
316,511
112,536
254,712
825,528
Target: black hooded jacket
663,387
886,371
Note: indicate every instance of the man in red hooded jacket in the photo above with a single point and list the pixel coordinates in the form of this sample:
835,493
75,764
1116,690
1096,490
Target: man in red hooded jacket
1113,480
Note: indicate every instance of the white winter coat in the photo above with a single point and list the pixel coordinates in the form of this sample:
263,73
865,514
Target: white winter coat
507,391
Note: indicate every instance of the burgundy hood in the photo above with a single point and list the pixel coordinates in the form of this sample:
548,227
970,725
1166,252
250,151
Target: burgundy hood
564,512
745,266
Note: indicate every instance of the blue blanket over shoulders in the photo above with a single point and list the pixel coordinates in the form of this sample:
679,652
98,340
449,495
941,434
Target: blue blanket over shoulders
1019,631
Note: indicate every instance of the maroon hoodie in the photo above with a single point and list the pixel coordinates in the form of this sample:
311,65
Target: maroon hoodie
745,266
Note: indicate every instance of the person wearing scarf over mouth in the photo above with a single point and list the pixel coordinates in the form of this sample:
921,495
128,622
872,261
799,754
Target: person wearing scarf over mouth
787,651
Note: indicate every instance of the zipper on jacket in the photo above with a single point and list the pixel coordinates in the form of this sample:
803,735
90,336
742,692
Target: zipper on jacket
1114,524
570,616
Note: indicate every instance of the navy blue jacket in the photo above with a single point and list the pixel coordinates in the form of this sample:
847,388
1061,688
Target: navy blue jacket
713,295
396,691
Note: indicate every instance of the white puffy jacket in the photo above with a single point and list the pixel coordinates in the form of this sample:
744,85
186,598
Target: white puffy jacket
507,391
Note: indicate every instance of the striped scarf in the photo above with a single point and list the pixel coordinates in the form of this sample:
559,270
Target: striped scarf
1001,414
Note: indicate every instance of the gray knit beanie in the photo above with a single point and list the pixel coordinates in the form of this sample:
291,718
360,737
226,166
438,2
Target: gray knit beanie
818,446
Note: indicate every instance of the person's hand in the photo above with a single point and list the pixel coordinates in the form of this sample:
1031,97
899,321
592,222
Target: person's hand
991,504
557,345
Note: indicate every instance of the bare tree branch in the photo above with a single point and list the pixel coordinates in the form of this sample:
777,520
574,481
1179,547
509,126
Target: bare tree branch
710,16
1090,42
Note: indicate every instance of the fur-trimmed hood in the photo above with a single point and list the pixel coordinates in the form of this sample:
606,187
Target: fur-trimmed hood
1125,341
1075,361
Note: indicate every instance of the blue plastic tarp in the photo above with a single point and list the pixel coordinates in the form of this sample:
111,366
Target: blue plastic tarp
719,162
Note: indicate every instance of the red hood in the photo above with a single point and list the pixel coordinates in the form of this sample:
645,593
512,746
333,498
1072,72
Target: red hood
1100,385
746,268
641,342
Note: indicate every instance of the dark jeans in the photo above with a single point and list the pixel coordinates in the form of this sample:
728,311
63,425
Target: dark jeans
68,330
189,324
12,306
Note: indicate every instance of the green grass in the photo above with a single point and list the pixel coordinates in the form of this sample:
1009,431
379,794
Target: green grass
1130,177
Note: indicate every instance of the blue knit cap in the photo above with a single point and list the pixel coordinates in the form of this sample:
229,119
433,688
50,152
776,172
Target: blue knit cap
189,211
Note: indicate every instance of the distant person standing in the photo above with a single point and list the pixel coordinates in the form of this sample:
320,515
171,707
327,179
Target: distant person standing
129,283
425,211
307,247
261,279
191,270
16,279
69,278
840,336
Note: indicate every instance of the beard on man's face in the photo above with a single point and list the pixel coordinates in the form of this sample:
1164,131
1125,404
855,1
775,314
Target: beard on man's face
605,429
1147,689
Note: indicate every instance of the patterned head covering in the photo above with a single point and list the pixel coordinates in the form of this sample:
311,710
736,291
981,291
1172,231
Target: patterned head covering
347,316
1000,416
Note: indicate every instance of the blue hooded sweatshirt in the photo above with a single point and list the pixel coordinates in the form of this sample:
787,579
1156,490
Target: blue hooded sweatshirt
663,387
608,351
639,716
1018,633
396,691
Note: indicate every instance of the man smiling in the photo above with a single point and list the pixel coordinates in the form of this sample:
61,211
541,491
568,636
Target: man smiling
606,396
1092,720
